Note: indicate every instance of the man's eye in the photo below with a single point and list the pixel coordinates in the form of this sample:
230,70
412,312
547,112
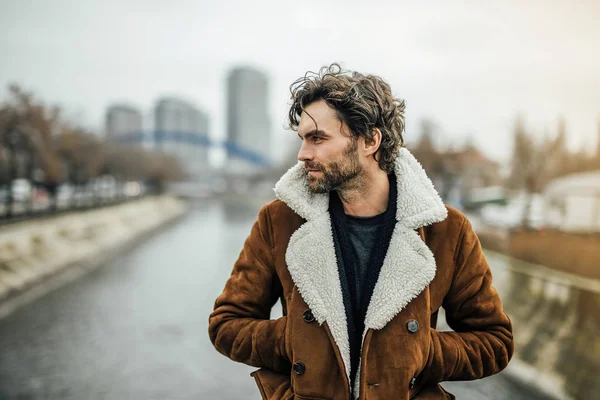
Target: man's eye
317,139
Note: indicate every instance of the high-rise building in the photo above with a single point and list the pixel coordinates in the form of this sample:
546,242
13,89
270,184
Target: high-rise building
181,130
248,124
123,122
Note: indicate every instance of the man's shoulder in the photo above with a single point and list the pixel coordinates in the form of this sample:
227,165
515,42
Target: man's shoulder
280,212
455,217
451,227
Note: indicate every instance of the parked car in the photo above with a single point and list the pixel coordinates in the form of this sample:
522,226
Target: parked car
21,190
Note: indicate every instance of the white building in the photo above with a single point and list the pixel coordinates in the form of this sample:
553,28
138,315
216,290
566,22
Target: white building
572,203
123,122
248,122
181,130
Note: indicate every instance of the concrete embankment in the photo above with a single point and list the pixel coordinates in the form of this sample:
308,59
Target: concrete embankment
38,256
556,317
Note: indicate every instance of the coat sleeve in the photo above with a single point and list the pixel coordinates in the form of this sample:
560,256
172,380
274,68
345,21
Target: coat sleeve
482,342
239,326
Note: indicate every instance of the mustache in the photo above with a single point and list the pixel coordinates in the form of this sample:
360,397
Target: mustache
311,165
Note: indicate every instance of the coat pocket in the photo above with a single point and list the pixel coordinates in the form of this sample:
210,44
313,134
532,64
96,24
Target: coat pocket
272,385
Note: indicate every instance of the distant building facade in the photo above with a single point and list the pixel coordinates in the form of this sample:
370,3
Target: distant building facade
476,169
123,122
181,130
573,202
248,123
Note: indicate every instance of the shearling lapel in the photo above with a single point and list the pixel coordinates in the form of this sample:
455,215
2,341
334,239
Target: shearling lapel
311,260
408,268
409,265
312,265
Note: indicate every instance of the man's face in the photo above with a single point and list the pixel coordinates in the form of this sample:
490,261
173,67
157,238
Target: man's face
330,154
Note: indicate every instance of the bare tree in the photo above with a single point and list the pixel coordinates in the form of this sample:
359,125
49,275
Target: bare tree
426,152
529,165
64,152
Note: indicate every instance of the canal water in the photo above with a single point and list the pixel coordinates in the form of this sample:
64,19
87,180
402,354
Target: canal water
137,327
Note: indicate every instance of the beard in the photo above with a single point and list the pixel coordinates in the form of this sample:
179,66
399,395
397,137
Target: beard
336,175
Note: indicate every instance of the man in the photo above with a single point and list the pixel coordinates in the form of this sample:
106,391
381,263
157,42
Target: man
362,253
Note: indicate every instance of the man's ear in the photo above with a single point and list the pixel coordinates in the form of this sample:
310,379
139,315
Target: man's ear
372,145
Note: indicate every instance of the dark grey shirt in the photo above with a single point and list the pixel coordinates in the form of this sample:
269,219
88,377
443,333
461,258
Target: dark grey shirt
362,232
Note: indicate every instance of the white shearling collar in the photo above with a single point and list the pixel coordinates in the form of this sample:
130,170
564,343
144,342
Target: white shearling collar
419,204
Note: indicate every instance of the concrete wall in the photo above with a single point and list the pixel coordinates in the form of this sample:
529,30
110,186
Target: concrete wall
33,253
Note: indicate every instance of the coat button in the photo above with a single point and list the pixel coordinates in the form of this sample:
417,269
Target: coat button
299,368
308,316
412,326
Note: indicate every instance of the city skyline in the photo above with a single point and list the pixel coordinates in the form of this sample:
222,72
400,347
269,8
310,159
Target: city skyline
173,120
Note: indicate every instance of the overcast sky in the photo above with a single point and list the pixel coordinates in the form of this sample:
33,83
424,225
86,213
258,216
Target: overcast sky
470,67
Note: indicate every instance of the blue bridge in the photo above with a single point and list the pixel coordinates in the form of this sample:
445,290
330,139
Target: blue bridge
159,138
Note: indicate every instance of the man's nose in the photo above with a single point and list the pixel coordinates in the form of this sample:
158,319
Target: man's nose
305,154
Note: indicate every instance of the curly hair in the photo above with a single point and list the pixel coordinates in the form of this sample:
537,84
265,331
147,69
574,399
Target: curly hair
363,102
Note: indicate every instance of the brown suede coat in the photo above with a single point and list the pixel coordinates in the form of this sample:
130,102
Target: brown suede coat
434,260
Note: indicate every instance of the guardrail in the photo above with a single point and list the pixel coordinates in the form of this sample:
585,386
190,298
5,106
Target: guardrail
41,203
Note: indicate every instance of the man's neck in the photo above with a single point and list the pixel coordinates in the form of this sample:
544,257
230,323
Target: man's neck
370,197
